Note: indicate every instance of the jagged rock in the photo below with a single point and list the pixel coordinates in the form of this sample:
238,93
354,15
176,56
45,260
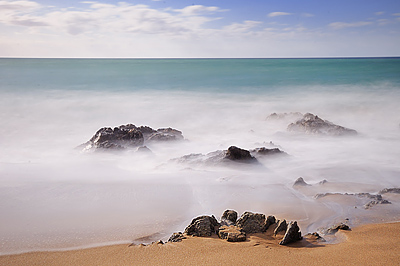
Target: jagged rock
254,222
300,182
282,227
390,190
229,217
165,134
237,154
117,138
261,152
333,229
312,124
128,136
232,233
176,237
292,234
203,226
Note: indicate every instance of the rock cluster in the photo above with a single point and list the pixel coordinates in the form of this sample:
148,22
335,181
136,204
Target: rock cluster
232,154
236,230
333,229
373,199
312,124
129,136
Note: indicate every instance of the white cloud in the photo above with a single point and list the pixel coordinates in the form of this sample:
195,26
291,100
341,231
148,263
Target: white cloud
241,27
342,25
276,14
396,14
307,15
379,13
195,10
18,5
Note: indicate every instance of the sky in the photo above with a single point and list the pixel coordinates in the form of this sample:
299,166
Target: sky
199,28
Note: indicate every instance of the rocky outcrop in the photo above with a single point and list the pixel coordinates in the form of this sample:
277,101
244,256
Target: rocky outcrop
232,154
237,154
229,217
292,234
263,151
300,182
232,233
176,237
255,222
282,227
236,230
390,190
373,199
312,124
128,136
203,226
333,229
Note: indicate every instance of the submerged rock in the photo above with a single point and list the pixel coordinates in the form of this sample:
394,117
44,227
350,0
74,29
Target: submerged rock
312,124
203,226
280,116
292,234
390,190
232,233
263,151
333,229
300,182
237,154
129,136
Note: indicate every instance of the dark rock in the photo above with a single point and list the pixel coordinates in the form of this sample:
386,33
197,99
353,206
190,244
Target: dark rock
300,182
292,234
203,226
282,227
333,229
221,157
176,237
254,222
165,134
315,236
129,136
229,217
237,154
260,152
118,138
232,233
390,190
312,124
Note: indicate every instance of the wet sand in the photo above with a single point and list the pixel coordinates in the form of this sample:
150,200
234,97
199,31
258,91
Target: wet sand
374,244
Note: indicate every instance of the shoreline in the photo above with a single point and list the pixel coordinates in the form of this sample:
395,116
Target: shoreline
370,244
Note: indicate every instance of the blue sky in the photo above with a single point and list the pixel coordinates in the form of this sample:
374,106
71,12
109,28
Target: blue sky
205,28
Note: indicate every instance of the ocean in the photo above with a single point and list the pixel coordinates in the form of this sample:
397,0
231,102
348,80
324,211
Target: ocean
53,196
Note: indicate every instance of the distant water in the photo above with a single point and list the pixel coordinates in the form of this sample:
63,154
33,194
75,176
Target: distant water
52,196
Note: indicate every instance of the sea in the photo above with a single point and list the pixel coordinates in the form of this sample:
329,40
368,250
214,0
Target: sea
55,196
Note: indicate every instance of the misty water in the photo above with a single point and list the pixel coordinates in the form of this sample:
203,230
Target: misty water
53,196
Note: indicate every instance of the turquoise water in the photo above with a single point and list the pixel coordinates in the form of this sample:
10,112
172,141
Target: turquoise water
221,75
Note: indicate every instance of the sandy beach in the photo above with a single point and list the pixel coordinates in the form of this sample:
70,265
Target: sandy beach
374,244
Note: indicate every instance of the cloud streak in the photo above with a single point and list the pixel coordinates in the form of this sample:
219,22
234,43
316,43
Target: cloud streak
343,25
277,14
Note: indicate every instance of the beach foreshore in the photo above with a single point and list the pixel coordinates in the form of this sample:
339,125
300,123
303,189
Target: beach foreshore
373,244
